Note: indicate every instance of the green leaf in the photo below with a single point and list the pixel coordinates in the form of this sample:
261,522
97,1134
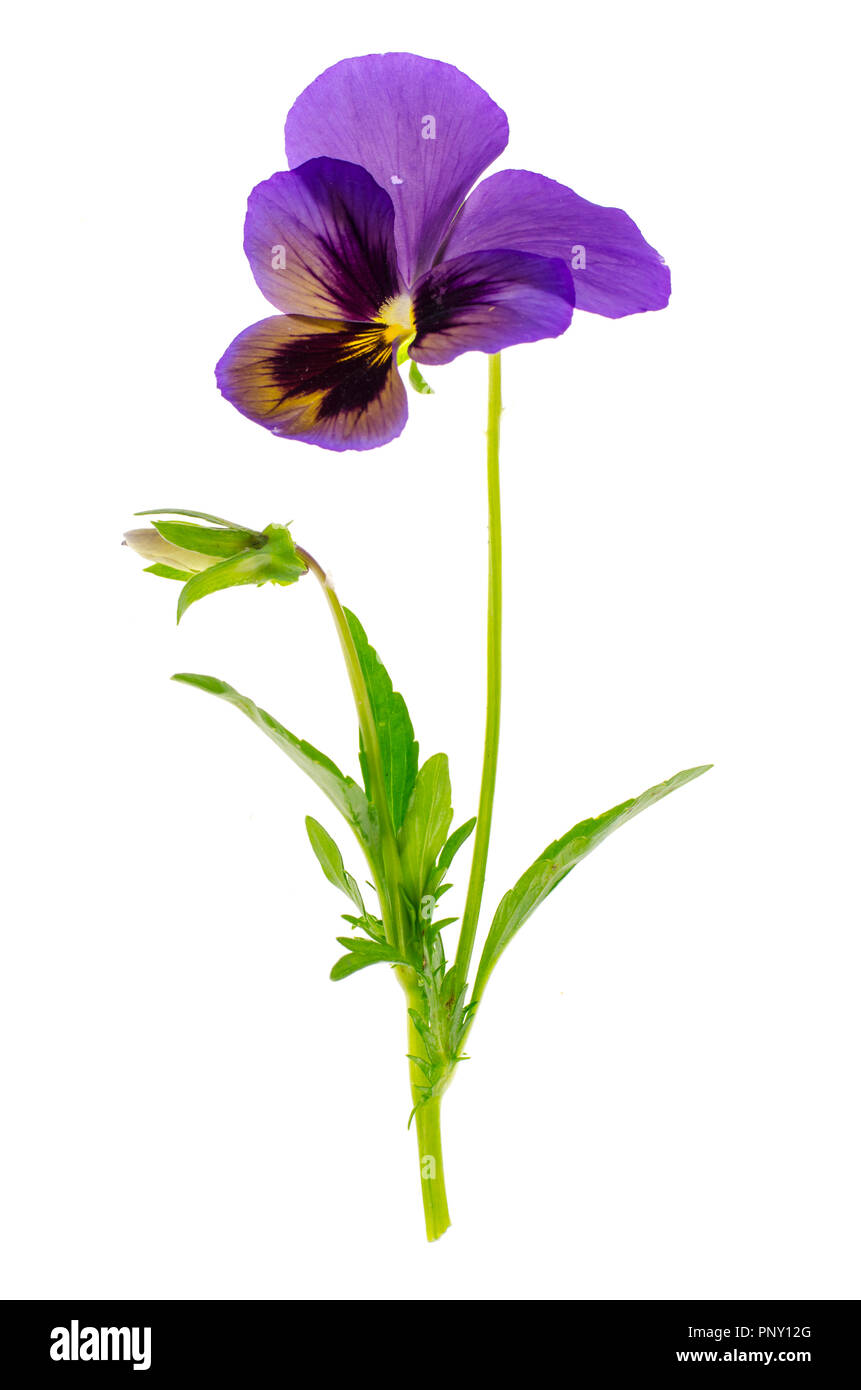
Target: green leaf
398,747
417,381
167,572
362,953
453,843
208,540
559,859
426,823
331,861
342,791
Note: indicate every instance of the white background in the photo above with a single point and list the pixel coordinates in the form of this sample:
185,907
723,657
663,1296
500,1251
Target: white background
662,1101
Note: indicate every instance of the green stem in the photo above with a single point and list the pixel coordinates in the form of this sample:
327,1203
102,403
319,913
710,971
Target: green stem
389,881
388,878
427,1122
494,676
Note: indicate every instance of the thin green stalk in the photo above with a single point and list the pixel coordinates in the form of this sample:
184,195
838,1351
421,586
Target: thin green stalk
389,887
494,676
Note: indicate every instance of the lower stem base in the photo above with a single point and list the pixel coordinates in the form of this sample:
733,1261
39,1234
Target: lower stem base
437,1219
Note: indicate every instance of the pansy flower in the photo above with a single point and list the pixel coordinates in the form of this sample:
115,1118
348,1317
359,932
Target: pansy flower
369,247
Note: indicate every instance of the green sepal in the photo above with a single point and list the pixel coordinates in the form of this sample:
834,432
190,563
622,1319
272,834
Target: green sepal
208,540
342,791
426,823
557,861
362,953
275,561
398,747
417,381
332,863
403,353
247,568
167,572
201,516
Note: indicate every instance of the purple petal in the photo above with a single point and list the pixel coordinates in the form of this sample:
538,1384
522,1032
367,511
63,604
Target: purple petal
487,301
331,383
622,273
320,241
422,128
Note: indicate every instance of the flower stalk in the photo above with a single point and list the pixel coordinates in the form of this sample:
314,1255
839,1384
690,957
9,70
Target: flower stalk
494,674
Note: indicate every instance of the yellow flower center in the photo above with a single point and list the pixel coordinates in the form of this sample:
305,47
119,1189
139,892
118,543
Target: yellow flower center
397,315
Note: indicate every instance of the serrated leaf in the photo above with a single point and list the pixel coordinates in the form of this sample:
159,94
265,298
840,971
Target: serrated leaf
342,791
426,823
208,540
398,746
557,860
331,861
362,953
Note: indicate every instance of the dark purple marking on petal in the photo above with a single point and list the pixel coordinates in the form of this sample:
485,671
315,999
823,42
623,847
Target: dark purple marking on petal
320,241
422,128
523,211
488,301
327,382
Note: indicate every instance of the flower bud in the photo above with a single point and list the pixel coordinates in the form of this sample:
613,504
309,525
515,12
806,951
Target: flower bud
157,551
217,556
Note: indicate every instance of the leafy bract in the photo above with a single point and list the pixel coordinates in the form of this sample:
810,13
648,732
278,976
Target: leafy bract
331,861
362,953
426,823
367,923
558,859
342,791
398,746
